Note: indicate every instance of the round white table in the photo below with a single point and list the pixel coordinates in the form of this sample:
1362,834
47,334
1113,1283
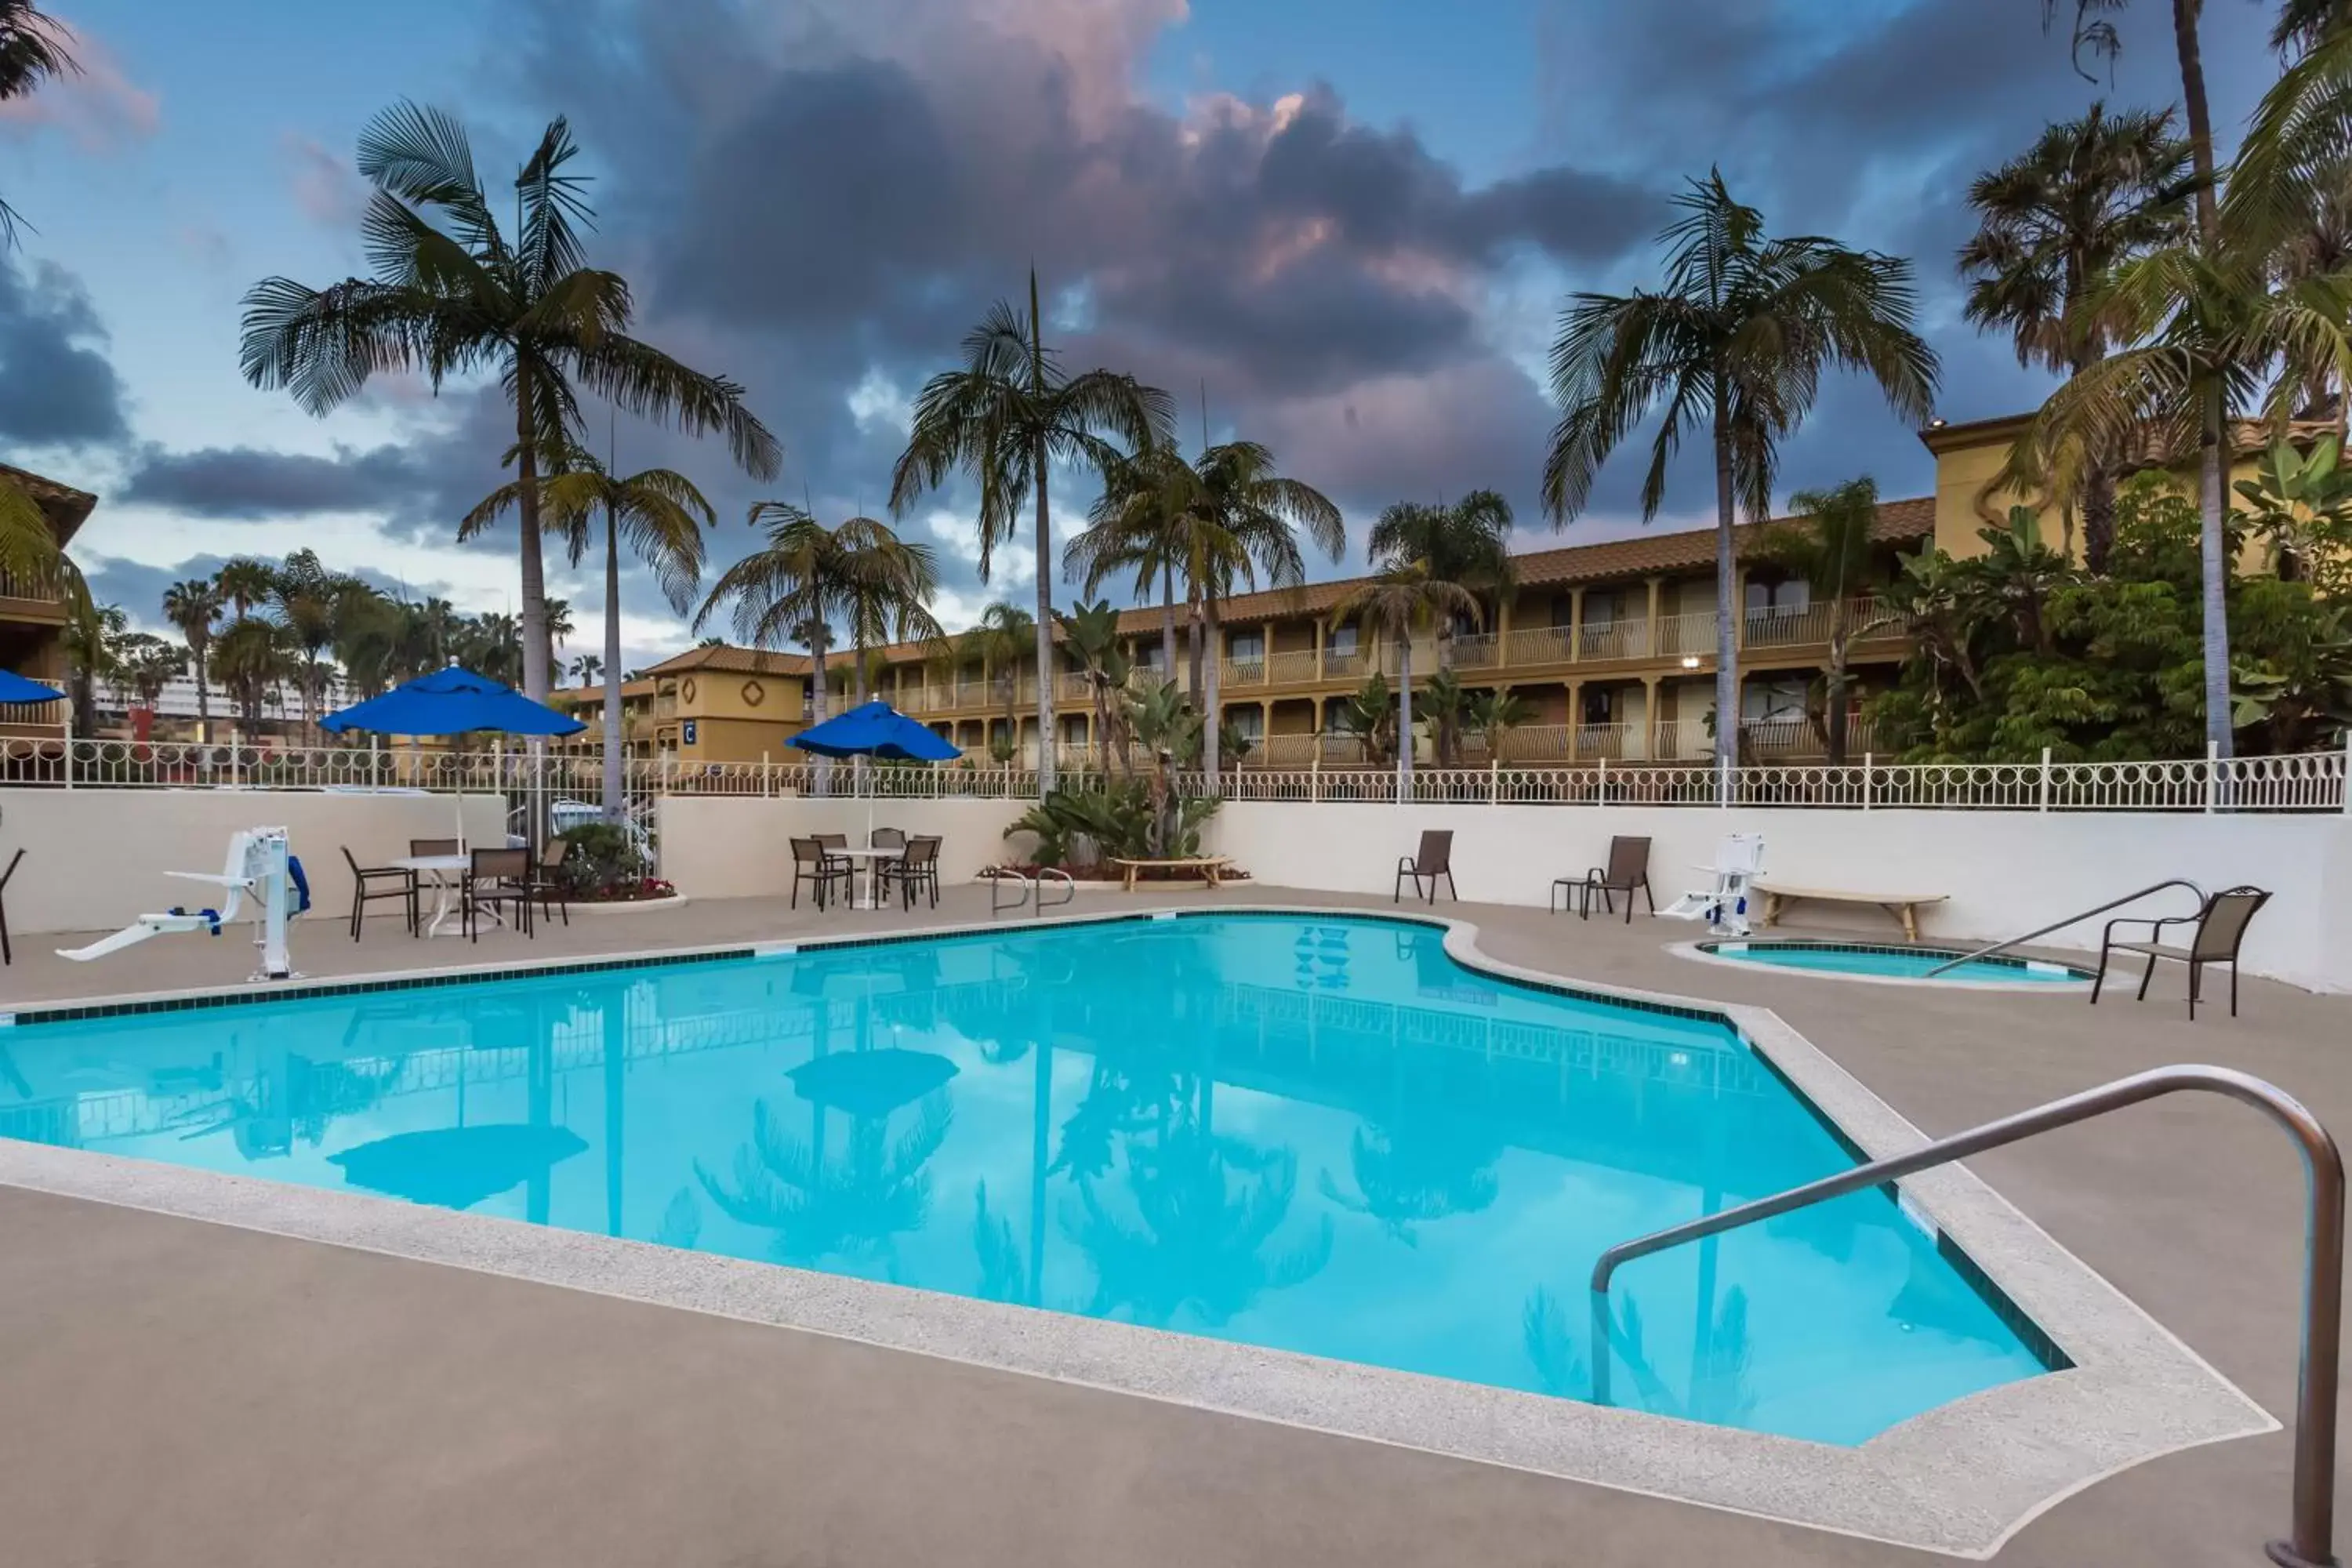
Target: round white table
448,872
872,859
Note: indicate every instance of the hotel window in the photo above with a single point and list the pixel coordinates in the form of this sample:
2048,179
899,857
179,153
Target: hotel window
1339,642
1247,722
1599,705
1788,598
1246,647
1770,701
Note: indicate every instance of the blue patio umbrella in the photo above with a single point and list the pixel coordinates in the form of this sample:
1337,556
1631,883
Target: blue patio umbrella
14,687
876,729
450,702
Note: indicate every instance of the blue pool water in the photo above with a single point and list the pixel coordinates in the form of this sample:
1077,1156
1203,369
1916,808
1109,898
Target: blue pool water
1895,964
1320,1135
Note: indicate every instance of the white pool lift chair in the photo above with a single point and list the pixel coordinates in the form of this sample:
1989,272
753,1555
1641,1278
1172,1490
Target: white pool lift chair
258,864
1738,861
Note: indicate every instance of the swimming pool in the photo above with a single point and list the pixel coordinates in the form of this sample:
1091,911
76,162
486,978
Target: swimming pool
1873,962
1305,1134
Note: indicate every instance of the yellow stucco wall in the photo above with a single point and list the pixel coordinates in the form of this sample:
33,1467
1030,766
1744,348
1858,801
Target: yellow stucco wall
1969,497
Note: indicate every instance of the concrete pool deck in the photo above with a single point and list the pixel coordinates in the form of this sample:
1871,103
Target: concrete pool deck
264,1408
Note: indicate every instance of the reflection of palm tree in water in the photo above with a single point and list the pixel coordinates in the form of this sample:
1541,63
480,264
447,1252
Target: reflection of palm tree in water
1425,1168
1209,1206
821,1206
1719,1394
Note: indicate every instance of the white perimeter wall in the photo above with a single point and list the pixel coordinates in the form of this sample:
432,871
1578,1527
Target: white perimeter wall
95,860
740,846
2005,872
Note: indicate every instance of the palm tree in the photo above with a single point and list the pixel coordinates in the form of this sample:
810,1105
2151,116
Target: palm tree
34,49
1399,601
249,660
1494,714
1445,704
1218,520
1829,546
304,597
1092,633
1467,542
2052,224
244,582
658,514
451,295
1738,337
92,635
996,642
368,627
2214,323
192,607
587,670
1137,524
808,576
1246,517
1004,419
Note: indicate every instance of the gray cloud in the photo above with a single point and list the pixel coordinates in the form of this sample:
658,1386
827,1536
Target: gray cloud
250,482
57,387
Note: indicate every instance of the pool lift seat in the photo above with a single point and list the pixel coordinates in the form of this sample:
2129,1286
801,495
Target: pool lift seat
1738,861
258,864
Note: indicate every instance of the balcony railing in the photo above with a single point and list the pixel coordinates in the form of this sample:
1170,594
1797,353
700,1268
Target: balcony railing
1680,635
1475,654
1538,645
1614,639
37,587
1241,672
1290,669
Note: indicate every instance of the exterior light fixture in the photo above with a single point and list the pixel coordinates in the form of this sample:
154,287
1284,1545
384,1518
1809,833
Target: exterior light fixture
1936,424
1690,661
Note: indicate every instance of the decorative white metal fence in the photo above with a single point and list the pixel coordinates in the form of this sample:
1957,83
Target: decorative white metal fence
571,779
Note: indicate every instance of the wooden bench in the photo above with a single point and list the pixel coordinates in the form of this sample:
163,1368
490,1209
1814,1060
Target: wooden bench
1207,865
1904,906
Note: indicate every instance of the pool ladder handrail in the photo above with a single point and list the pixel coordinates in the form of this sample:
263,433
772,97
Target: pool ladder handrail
1031,894
2069,920
2310,1544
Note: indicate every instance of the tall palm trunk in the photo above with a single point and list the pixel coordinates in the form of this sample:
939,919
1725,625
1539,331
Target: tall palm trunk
1045,736
2213,553
1193,644
1836,736
615,768
537,654
1727,640
204,695
1212,715
858,693
819,636
2213,434
1404,717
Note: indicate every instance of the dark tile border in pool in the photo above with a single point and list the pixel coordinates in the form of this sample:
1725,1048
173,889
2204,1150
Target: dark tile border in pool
1960,1479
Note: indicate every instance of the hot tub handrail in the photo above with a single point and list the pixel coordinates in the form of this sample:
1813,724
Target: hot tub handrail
2069,920
2310,1544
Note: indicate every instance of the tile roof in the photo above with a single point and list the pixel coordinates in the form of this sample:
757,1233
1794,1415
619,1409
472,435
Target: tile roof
66,507
727,655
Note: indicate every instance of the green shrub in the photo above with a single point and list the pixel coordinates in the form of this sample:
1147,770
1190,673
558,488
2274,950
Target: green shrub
603,857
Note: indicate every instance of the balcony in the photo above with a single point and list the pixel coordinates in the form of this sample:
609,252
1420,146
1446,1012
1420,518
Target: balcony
31,598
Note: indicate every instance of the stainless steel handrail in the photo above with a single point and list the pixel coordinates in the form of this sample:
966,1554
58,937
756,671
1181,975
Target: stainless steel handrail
2069,920
2310,1546
1069,889
997,878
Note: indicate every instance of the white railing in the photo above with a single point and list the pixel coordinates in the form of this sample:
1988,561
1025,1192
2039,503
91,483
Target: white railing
1609,767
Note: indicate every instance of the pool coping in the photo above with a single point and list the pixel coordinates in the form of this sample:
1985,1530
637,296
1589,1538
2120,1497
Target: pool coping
1697,951
1959,1479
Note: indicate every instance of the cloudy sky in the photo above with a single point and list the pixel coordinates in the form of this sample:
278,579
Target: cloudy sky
1347,226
